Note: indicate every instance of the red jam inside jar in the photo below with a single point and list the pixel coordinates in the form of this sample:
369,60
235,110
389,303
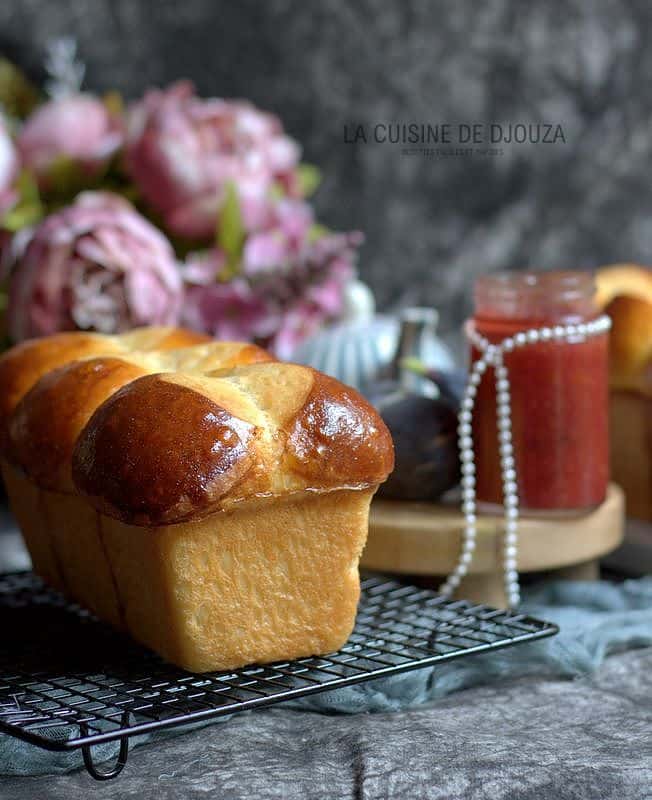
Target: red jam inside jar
559,395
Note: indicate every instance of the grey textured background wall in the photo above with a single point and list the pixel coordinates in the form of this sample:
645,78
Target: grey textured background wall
432,222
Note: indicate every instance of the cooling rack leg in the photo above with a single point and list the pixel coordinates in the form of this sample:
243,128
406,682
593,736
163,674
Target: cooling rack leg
112,773
87,753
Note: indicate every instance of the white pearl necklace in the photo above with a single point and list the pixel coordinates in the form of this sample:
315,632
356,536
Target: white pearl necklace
493,355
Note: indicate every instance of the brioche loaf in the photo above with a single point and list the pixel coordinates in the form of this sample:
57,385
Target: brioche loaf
208,500
625,293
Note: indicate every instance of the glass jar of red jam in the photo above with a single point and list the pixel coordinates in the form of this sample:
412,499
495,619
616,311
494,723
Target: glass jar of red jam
558,392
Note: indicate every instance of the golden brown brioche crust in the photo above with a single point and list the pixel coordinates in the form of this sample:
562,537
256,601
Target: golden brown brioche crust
180,337
25,363
623,279
162,338
214,357
624,292
44,426
47,421
249,354
168,448
158,452
338,435
630,343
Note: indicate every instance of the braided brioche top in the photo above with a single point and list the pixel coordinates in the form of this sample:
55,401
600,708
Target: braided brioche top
156,436
25,363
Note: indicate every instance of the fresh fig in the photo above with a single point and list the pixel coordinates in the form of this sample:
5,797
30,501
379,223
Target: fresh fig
424,431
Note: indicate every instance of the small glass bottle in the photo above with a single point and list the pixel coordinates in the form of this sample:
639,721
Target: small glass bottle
417,338
559,394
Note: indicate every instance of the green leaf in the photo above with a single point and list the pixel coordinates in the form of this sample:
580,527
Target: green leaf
230,235
18,95
29,208
27,187
64,176
114,103
20,217
309,179
317,230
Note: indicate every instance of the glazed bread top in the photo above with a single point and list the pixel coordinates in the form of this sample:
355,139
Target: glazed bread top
213,357
44,426
615,280
630,344
25,363
171,447
625,294
160,436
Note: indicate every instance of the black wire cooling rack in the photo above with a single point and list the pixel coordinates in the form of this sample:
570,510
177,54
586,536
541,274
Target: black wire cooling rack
68,681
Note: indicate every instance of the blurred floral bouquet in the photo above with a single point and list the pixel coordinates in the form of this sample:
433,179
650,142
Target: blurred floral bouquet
171,210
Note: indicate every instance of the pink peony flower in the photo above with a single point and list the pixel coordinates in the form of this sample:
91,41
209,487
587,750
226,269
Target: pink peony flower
229,311
9,168
78,127
286,232
289,284
96,264
182,152
204,269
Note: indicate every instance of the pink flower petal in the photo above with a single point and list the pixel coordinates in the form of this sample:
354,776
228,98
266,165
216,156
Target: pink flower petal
78,127
182,151
95,264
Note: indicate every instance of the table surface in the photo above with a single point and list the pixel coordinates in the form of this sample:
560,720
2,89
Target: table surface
532,739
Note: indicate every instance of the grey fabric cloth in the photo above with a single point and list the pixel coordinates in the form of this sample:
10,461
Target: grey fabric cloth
528,739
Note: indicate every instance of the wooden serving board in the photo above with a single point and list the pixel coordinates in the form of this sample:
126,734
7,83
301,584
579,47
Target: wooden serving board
425,539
